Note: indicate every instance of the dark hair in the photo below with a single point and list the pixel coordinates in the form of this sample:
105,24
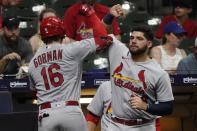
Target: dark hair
47,10
182,3
52,39
148,33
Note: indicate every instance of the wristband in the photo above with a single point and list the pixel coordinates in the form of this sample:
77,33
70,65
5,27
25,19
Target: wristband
108,19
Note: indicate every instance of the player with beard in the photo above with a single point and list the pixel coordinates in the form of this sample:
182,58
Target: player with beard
141,89
15,51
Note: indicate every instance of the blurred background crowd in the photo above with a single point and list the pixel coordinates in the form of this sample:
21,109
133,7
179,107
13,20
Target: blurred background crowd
173,42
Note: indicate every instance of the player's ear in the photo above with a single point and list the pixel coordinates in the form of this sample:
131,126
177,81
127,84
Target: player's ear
150,43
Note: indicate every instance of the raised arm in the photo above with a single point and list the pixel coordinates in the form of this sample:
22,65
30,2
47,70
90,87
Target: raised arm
99,32
115,12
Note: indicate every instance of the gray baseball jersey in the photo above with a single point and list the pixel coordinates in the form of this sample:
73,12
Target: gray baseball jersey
56,70
146,79
101,104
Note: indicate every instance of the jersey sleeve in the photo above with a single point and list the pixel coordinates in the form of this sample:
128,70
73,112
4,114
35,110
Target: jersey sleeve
116,51
69,25
97,104
164,89
81,49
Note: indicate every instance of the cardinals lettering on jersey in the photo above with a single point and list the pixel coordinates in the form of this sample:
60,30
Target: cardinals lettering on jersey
137,86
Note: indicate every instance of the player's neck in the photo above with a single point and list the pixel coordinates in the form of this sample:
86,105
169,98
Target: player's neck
140,58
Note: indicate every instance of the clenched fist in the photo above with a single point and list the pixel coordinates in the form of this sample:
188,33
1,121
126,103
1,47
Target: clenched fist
117,11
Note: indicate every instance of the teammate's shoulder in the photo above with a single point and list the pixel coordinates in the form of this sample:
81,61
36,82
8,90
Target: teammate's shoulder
114,38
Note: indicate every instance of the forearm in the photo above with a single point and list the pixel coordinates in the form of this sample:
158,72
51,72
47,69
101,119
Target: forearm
97,26
100,35
160,109
99,32
3,63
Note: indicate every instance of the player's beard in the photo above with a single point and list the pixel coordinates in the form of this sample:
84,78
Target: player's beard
139,51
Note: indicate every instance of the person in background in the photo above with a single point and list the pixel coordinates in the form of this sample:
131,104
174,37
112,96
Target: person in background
77,26
6,3
35,40
168,54
100,109
15,51
9,2
182,9
188,65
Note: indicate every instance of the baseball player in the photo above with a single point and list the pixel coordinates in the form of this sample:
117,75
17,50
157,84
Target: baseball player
55,72
141,90
100,107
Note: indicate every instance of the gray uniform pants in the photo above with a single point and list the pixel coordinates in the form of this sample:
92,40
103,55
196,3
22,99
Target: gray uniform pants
67,118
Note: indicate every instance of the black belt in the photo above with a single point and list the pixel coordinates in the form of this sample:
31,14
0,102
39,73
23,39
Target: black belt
132,122
67,103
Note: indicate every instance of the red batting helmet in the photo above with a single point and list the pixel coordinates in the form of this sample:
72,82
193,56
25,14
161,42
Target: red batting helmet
52,26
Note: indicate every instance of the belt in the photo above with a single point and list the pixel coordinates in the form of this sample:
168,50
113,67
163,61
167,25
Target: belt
58,104
132,122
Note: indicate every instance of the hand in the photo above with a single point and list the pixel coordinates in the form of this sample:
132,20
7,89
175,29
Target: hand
117,10
137,103
12,56
86,10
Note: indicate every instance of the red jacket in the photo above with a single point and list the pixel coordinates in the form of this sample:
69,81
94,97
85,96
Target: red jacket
76,26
